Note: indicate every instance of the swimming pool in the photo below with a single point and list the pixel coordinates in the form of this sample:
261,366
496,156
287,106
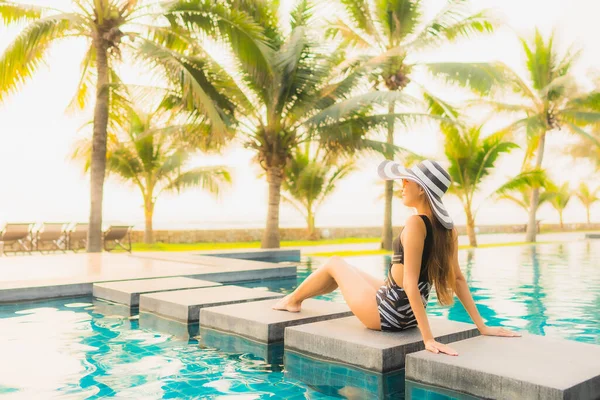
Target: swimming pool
75,349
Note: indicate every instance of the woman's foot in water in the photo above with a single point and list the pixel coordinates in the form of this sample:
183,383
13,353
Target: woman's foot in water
287,304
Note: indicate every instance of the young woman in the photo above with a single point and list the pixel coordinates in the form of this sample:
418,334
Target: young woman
425,255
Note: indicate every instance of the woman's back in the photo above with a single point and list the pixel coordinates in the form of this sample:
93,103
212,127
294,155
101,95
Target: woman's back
398,255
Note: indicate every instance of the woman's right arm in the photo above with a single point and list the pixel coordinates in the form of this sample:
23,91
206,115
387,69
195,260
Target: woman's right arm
464,295
462,288
413,251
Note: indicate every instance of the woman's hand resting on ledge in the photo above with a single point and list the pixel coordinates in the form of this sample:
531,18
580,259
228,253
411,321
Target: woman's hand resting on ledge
497,331
437,347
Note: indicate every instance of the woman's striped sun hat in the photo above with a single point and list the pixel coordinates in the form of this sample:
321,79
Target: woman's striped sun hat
431,176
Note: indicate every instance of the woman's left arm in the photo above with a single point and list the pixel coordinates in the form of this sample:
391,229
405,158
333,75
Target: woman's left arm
464,295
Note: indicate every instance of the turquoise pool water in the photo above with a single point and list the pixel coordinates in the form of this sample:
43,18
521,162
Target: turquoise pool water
78,348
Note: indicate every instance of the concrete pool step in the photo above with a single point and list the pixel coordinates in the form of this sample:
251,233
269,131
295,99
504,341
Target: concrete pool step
180,330
347,340
128,292
258,321
231,343
527,367
185,305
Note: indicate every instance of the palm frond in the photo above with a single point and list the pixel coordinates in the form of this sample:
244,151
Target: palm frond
520,202
25,54
452,22
82,93
213,179
197,90
357,103
484,79
360,14
585,101
294,203
526,179
399,18
502,107
12,13
349,35
577,130
248,39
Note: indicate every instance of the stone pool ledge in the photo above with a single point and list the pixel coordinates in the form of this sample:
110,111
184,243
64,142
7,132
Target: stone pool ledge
258,321
527,367
184,305
347,340
128,292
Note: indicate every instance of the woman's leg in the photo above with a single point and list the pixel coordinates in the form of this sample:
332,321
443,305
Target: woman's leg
358,293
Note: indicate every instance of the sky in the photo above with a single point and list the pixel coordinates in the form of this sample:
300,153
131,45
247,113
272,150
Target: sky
41,183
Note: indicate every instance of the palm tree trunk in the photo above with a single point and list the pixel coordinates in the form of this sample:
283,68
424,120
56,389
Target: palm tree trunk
471,226
386,239
148,214
270,238
587,212
98,165
310,220
535,195
560,217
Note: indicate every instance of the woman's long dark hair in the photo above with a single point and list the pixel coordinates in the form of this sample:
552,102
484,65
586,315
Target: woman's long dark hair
439,266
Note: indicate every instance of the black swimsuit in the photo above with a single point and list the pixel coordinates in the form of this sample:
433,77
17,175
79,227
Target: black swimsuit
394,308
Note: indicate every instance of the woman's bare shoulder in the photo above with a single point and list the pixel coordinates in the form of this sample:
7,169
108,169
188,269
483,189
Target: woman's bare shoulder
414,226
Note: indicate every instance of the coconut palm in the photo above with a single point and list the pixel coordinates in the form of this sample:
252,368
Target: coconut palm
390,34
560,200
295,91
587,197
115,31
472,159
310,178
549,100
519,188
149,156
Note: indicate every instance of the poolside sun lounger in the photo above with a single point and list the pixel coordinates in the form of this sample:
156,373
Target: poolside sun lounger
77,237
53,234
18,235
117,234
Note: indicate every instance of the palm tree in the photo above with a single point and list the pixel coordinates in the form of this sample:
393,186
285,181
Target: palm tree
310,179
549,100
472,159
390,34
519,188
560,200
587,197
291,90
114,30
148,156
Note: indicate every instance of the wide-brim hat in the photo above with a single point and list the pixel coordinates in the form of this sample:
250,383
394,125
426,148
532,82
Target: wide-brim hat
430,175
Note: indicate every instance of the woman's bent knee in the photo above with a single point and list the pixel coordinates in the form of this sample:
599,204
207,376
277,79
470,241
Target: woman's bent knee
336,260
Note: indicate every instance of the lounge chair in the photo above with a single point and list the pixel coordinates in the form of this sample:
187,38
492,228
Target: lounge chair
116,234
77,237
18,235
53,234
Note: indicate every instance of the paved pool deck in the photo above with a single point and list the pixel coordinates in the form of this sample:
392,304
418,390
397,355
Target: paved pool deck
33,277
